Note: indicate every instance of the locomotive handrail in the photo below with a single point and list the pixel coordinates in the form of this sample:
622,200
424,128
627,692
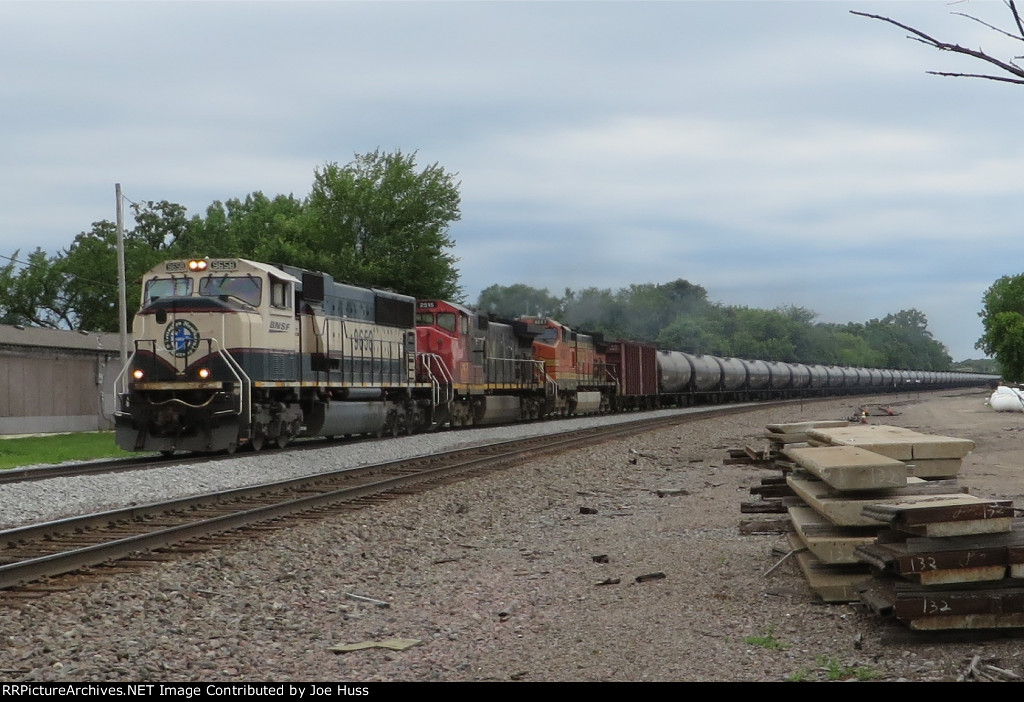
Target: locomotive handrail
552,386
526,375
611,377
122,379
245,396
427,361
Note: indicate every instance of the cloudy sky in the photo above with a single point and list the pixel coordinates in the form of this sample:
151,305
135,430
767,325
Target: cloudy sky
777,153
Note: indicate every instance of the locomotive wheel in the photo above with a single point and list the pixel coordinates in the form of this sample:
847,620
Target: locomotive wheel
258,441
167,452
283,439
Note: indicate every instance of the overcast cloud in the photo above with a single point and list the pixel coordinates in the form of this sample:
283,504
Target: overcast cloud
776,153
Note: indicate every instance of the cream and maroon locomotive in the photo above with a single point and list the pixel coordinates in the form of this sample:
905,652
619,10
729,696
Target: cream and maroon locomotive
230,352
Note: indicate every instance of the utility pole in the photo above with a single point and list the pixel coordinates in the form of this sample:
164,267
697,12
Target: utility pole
122,316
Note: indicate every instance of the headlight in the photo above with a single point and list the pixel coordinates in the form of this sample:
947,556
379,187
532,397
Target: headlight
197,265
138,374
204,373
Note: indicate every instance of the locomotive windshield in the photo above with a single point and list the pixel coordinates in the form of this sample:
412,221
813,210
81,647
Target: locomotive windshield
445,320
245,289
168,287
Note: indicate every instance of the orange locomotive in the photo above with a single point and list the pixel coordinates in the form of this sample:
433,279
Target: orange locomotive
573,365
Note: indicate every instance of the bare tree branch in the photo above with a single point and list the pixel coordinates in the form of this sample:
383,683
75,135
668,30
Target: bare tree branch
992,26
1016,17
1001,79
1007,66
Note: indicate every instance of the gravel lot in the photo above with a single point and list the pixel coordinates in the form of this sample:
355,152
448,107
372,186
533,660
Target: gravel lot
501,578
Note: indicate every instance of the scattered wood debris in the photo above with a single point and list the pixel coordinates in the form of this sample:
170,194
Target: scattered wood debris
391,644
980,671
375,603
671,492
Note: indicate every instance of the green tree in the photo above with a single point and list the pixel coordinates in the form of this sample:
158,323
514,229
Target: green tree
640,311
36,293
594,309
381,221
704,332
1002,319
89,269
258,227
902,340
510,301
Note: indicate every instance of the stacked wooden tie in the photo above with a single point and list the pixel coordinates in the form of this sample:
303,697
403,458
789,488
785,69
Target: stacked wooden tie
869,526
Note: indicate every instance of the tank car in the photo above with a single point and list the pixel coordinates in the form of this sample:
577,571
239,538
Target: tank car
759,378
734,377
781,382
231,352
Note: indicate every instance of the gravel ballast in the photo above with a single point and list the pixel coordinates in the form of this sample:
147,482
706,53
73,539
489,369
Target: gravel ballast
502,577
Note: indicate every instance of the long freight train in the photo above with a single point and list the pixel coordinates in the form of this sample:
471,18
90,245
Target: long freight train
231,353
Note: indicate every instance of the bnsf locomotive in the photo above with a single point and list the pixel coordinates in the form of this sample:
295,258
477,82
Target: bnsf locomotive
230,353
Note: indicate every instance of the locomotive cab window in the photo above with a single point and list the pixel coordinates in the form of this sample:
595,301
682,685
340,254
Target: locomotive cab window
246,290
167,287
280,293
424,319
446,320
548,336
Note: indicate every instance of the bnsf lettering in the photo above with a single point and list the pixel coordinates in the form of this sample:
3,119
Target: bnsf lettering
279,326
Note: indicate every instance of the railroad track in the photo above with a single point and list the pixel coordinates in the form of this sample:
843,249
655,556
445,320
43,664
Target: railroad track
153,532
150,532
133,463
